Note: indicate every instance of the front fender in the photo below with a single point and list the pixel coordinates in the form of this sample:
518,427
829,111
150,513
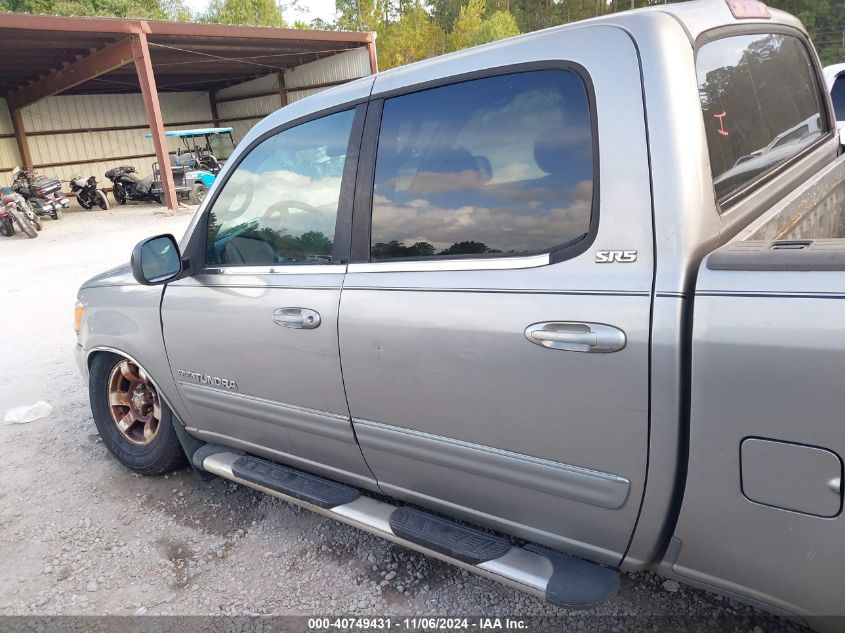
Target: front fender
126,319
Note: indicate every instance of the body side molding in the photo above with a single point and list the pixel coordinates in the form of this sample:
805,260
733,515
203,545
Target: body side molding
605,490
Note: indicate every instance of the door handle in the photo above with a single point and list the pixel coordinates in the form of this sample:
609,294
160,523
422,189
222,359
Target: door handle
576,337
297,318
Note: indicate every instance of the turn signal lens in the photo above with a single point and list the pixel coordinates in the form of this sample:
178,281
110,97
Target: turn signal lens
748,9
78,313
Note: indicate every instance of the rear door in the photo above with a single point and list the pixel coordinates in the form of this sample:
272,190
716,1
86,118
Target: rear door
252,339
494,332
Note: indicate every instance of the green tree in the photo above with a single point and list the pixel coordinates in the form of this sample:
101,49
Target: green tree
152,9
466,25
473,28
497,26
315,243
445,12
245,12
824,20
363,15
394,249
319,24
469,247
413,37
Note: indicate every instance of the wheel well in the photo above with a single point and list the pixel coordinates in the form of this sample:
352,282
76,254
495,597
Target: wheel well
117,353
90,360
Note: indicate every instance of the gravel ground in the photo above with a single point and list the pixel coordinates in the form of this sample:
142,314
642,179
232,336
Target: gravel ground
81,535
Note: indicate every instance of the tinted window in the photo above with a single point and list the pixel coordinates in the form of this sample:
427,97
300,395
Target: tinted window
501,165
280,204
760,102
837,94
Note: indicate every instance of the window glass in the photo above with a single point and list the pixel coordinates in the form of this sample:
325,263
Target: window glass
837,94
221,145
760,102
494,166
280,204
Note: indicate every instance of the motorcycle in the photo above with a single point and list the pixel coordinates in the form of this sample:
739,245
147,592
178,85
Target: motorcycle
129,186
44,194
7,221
15,210
87,194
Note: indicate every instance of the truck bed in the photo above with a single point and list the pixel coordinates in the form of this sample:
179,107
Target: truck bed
804,231
767,409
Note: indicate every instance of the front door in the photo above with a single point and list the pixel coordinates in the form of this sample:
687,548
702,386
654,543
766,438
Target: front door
252,340
495,346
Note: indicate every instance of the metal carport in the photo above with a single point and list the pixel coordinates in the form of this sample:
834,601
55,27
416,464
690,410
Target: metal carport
45,56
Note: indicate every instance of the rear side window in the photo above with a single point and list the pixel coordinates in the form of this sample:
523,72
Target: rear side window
761,105
490,167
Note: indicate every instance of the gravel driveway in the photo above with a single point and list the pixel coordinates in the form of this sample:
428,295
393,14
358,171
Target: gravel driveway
80,534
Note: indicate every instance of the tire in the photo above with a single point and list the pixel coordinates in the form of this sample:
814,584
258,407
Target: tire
119,193
7,227
25,225
85,202
162,455
101,200
198,192
56,214
37,224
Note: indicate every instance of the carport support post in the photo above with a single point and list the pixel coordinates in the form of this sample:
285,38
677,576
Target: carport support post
371,49
20,137
283,91
212,104
144,67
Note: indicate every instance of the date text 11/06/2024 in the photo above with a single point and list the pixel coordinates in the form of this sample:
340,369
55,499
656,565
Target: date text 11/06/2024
414,624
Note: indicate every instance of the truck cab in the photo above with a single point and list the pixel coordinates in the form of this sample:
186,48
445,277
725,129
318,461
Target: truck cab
515,286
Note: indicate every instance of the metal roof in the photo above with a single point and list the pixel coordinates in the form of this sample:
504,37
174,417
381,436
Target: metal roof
185,56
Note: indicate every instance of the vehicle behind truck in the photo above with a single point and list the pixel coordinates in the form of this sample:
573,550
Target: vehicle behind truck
558,307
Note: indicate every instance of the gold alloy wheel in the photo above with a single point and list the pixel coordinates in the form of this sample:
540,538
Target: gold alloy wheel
134,403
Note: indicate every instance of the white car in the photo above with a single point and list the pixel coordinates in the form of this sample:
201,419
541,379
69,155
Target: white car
834,77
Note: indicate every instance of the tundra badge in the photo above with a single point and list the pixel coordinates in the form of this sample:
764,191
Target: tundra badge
205,379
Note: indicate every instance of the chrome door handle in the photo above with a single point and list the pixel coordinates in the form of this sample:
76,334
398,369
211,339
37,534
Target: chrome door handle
297,318
576,337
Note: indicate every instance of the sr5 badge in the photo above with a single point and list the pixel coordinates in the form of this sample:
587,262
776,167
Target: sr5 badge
616,257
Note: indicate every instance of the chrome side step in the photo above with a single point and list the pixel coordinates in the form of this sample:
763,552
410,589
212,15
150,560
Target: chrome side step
562,580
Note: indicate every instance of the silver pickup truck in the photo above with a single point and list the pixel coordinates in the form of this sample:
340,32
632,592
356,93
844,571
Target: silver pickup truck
562,305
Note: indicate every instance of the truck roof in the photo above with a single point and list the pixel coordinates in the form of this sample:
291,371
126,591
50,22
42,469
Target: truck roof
695,17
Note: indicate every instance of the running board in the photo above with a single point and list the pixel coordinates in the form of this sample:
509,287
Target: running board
561,580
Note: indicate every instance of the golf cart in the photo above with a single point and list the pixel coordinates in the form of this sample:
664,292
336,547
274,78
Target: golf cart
209,156
193,183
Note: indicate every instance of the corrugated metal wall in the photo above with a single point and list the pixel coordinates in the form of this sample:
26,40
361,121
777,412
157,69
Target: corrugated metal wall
98,150
256,107
350,64
95,150
8,146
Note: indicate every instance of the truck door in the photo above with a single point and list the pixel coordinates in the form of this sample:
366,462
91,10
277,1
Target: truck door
252,340
494,334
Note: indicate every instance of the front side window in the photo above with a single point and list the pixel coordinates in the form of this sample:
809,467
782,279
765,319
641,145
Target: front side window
279,206
495,166
761,105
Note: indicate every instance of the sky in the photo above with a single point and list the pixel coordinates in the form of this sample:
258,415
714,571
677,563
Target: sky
312,9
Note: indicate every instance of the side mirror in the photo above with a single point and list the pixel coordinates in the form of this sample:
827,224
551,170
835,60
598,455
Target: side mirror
156,260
